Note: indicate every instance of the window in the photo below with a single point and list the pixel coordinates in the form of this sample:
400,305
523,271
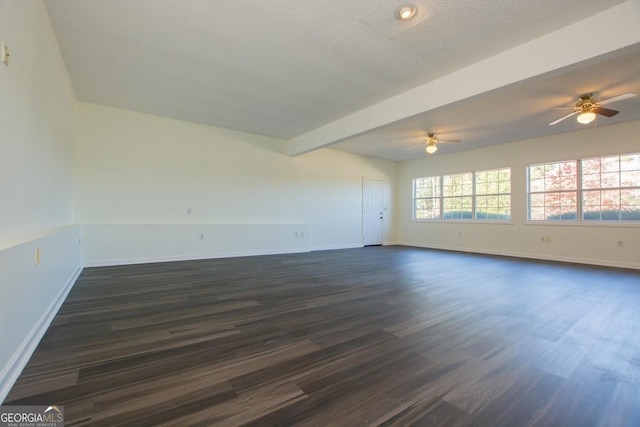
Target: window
484,195
426,198
457,196
493,194
553,191
611,188
600,189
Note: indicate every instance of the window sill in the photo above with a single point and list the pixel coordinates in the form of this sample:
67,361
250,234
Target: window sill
462,221
630,224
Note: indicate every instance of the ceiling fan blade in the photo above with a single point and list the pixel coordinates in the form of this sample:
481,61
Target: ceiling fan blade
617,98
605,111
563,118
449,141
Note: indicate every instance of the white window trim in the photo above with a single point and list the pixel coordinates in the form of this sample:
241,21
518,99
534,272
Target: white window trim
578,221
441,197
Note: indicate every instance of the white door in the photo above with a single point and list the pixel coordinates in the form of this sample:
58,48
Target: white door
372,210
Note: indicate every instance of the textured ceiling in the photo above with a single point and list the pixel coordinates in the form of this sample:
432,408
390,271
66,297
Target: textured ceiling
511,113
283,68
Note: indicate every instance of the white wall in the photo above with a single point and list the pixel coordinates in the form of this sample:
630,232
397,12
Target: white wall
37,126
37,110
118,244
593,244
137,169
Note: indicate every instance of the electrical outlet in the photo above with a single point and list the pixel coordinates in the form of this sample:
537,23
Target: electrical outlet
302,234
189,211
201,236
546,239
5,54
620,243
295,234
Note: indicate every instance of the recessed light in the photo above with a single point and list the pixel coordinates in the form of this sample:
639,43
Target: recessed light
407,12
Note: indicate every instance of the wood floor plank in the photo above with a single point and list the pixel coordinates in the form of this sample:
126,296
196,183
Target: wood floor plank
44,383
519,405
390,336
583,399
432,413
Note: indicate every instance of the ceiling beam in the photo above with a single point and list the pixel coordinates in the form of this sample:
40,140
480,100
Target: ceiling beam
600,34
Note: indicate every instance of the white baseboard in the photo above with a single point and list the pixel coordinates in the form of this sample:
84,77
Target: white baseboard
150,260
544,257
20,358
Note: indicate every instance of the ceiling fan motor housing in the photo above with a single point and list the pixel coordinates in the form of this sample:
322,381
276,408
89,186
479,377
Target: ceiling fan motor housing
586,103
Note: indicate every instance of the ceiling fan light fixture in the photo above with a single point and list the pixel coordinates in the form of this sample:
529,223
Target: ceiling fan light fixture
586,117
407,12
431,148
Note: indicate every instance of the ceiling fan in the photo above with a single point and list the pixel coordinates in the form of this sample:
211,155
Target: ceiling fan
587,107
431,143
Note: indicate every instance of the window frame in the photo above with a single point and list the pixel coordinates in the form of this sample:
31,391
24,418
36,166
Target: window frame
459,197
498,194
619,188
580,192
440,217
437,198
559,191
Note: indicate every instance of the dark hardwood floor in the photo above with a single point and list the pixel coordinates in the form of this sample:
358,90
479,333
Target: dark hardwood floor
373,336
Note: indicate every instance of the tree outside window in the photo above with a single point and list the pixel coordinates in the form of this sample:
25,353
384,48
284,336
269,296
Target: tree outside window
608,189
